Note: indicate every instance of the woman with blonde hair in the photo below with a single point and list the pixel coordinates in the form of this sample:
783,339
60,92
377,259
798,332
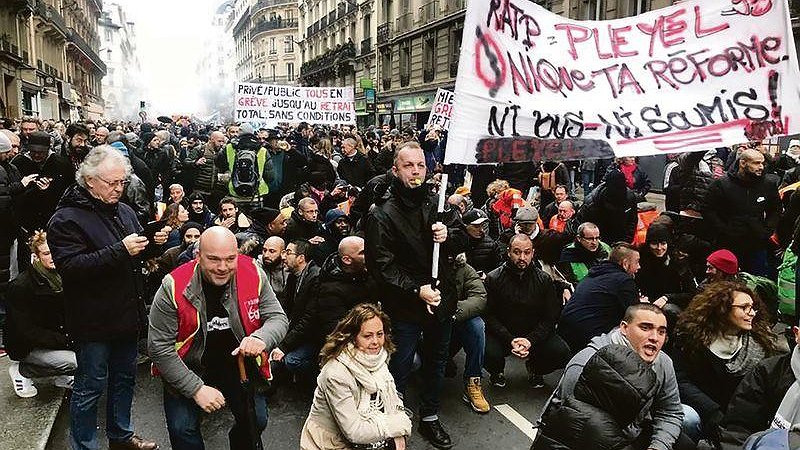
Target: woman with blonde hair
356,405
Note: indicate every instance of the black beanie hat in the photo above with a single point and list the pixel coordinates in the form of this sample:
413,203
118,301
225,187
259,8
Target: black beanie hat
658,233
264,215
146,138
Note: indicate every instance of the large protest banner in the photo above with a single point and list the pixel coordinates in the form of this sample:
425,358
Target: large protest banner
442,109
701,74
270,104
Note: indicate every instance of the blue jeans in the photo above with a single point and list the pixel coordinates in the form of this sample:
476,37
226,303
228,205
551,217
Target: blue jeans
183,417
587,178
101,363
302,359
692,426
435,352
471,334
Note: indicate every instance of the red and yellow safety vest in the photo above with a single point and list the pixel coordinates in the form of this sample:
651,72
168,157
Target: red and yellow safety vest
248,290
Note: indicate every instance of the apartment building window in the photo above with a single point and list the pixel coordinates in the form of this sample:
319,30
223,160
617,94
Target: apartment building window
592,10
428,58
455,49
288,44
272,49
405,63
367,26
272,69
290,71
628,8
386,68
353,31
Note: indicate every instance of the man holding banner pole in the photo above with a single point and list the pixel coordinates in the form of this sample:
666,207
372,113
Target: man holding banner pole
400,234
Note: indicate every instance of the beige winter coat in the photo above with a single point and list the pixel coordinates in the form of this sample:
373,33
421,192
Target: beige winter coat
341,412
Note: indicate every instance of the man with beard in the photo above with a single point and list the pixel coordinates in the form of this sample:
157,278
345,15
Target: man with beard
198,212
76,146
230,217
587,250
55,174
266,222
271,260
743,210
523,304
336,228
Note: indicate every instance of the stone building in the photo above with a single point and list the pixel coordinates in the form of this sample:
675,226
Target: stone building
122,85
85,68
265,34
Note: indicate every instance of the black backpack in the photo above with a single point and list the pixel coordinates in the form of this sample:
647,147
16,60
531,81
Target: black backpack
245,178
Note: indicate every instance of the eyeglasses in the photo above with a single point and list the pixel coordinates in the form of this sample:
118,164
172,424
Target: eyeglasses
747,309
115,184
590,239
289,252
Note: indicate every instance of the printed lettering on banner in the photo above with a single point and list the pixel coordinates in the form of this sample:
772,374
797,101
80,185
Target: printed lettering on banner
442,110
271,104
533,85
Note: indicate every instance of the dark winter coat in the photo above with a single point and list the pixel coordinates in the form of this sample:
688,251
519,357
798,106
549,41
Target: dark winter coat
256,231
754,403
205,175
35,316
598,304
298,302
469,290
613,211
484,254
103,284
160,163
641,182
39,204
690,182
521,304
374,189
299,228
321,173
356,170
660,276
614,386
743,212
10,190
399,248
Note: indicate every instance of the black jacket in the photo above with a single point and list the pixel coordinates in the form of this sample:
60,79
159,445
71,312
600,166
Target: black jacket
484,254
39,205
612,211
755,402
10,191
743,212
692,183
598,304
298,301
35,316
661,276
399,251
356,170
641,182
299,228
160,163
321,173
103,284
614,386
521,304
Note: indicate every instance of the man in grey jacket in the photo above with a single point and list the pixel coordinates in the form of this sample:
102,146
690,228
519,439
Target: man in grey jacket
202,304
643,329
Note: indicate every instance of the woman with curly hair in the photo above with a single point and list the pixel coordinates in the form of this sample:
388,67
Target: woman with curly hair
175,215
356,405
721,337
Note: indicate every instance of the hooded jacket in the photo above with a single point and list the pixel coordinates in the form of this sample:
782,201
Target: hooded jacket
664,415
598,304
614,386
521,303
103,284
743,211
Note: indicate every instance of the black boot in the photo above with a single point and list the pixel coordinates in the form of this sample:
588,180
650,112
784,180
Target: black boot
434,432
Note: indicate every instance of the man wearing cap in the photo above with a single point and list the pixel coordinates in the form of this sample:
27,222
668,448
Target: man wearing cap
526,221
266,222
587,250
483,253
55,174
336,227
743,209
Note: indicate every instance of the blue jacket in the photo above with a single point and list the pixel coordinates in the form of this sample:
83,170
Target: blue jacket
103,285
598,304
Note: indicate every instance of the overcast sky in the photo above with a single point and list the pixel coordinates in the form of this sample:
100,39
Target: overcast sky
170,42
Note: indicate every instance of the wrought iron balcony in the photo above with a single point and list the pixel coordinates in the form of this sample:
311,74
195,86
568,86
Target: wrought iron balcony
52,16
384,33
453,6
77,42
270,25
262,4
405,78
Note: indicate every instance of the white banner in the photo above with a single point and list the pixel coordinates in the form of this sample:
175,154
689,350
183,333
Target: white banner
271,104
442,110
534,85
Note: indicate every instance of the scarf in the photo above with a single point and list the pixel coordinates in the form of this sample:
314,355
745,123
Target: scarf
741,353
789,410
726,346
628,170
371,372
52,277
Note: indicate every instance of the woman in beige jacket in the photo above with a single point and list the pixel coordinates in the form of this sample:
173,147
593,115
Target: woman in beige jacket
356,405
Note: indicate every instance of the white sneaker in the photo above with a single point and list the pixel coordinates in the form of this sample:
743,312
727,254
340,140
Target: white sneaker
23,387
64,381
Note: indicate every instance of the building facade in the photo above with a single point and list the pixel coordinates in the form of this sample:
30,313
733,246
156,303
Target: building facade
239,27
122,86
85,68
217,66
33,67
338,49
273,37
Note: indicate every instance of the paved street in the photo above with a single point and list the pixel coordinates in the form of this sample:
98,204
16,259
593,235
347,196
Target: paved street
288,410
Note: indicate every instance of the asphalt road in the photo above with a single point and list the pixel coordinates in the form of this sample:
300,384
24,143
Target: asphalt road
504,427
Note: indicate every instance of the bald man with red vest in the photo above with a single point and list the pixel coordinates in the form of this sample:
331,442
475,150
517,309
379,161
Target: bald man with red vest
206,312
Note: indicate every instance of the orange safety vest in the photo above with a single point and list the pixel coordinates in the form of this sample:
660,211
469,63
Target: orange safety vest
248,290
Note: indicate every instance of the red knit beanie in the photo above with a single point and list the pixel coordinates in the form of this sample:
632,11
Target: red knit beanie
724,261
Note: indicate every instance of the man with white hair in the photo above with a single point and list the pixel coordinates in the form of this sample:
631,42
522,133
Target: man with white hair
354,167
99,250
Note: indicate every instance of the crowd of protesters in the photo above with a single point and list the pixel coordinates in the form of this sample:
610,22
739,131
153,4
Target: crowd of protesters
308,250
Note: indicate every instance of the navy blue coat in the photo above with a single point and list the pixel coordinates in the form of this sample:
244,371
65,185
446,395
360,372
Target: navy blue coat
103,284
598,304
